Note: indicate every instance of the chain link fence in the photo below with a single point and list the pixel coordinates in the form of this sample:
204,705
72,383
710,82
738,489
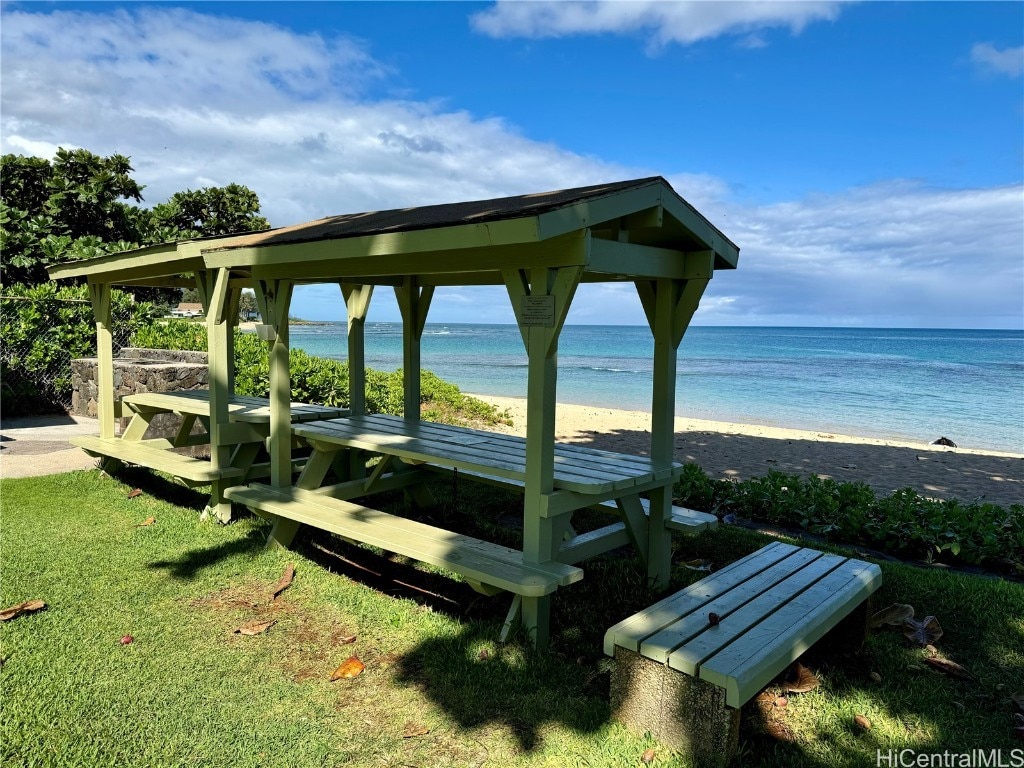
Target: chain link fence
39,337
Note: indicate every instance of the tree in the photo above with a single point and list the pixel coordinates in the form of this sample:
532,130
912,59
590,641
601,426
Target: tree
82,205
248,309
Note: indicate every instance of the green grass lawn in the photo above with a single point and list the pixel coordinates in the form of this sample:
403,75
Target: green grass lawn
437,689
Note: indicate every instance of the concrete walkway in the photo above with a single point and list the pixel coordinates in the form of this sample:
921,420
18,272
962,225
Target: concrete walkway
38,445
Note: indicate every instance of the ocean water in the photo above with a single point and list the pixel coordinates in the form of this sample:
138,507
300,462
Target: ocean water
903,384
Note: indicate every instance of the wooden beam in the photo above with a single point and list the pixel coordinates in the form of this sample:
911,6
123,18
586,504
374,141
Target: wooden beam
645,261
99,295
414,302
277,296
597,211
357,304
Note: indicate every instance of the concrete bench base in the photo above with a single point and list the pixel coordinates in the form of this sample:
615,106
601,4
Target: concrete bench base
682,712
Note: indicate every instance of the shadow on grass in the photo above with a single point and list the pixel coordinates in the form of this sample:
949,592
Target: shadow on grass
190,563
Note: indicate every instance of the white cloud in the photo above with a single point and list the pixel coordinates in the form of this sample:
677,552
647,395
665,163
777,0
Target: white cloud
198,100
1009,61
666,22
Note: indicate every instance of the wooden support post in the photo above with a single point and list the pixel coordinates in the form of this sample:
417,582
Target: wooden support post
669,305
215,294
541,304
357,304
277,295
413,302
99,294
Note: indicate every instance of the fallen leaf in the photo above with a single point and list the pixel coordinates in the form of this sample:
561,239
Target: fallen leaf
800,680
346,639
697,565
781,701
285,581
923,632
863,722
714,619
772,719
134,492
254,628
894,615
951,668
412,730
29,606
351,667
127,640
647,757
876,677
484,655
147,521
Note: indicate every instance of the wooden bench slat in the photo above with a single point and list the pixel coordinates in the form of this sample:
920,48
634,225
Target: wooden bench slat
240,407
633,630
473,558
747,665
161,459
759,594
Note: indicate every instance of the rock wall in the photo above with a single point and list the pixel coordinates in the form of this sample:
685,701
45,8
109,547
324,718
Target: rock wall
143,370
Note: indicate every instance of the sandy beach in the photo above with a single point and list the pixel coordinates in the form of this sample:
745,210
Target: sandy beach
741,451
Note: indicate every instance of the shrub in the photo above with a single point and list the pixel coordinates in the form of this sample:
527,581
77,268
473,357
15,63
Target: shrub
323,380
43,328
903,523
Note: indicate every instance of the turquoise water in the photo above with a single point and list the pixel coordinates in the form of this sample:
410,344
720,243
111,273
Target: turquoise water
912,384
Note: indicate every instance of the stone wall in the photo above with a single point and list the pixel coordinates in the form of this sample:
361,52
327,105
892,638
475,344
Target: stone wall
143,370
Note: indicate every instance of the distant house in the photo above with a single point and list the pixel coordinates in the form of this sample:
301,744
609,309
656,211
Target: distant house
187,310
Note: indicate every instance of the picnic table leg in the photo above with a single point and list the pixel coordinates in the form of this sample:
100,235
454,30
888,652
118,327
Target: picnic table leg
284,530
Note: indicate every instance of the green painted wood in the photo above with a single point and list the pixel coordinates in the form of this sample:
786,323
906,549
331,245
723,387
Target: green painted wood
691,639
689,298
278,295
633,630
357,304
472,450
583,546
473,558
156,458
727,255
414,303
99,295
747,665
253,410
593,212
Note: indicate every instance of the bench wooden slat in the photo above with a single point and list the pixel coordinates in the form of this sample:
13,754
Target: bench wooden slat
747,665
153,457
633,630
240,407
475,559
761,594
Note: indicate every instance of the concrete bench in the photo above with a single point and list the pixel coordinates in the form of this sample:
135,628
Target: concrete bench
684,677
486,566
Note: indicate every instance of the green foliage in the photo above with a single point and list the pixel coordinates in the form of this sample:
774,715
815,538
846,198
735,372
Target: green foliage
322,380
212,211
82,205
43,328
903,523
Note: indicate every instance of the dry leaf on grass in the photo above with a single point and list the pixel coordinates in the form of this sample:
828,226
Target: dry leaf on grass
254,628
351,667
876,677
800,680
696,565
29,606
894,615
923,632
862,722
951,668
412,730
647,757
285,581
781,701
346,640
147,521
772,718
134,492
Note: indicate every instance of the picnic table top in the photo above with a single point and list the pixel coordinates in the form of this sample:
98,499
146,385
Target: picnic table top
577,468
255,410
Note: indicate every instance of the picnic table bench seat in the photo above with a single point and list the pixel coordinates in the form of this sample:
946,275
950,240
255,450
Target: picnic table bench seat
482,563
155,455
683,675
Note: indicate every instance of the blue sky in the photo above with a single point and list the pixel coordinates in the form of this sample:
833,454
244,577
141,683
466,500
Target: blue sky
866,157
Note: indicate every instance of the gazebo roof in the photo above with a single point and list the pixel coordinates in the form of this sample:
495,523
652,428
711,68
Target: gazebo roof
624,230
